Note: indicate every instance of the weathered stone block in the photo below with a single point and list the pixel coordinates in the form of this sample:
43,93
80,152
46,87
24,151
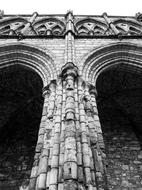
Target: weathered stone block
70,170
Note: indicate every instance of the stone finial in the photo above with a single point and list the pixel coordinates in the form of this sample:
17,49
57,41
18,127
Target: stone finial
138,16
33,17
69,14
69,24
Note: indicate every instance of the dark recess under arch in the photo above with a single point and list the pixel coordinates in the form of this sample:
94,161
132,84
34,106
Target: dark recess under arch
120,110
21,105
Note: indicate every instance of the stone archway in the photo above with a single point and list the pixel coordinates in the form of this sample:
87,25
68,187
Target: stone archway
120,105
24,72
21,104
31,57
125,55
114,71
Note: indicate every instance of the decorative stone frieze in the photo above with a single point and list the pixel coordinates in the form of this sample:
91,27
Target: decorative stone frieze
78,138
59,25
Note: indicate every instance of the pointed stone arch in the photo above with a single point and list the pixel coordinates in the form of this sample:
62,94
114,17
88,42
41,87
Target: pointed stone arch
37,66
126,56
90,26
31,57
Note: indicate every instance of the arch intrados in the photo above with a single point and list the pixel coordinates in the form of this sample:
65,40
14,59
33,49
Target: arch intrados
19,67
104,57
31,57
125,66
135,64
114,60
28,58
24,63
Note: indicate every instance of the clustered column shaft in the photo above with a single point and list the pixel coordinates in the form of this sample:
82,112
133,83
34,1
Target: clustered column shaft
43,152
69,75
87,162
69,39
70,149
97,144
52,182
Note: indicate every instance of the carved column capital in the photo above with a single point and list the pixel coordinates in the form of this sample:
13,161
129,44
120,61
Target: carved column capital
46,91
93,90
52,85
49,88
69,70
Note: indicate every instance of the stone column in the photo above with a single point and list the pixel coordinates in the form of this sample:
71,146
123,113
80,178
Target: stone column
69,39
44,144
92,146
86,165
68,146
69,76
53,164
96,138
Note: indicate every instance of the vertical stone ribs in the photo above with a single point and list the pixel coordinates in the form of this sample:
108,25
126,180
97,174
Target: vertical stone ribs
70,149
96,137
86,121
92,145
82,165
42,166
69,76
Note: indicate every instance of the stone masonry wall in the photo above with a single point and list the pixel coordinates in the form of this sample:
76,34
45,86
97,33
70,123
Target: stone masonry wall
71,152
123,155
84,47
16,157
56,47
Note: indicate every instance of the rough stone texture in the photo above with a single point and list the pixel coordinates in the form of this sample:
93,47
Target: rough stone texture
121,125
123,152
18,127
88,70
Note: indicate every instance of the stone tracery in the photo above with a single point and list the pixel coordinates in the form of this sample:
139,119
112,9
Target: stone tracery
70,152
37,25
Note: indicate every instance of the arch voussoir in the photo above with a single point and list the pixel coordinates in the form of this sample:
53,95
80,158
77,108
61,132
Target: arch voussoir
125,55
31,57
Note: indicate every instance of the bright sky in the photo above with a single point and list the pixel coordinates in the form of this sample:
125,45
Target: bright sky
93,7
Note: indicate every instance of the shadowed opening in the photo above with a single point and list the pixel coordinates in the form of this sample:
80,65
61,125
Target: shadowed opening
21,105
120,110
